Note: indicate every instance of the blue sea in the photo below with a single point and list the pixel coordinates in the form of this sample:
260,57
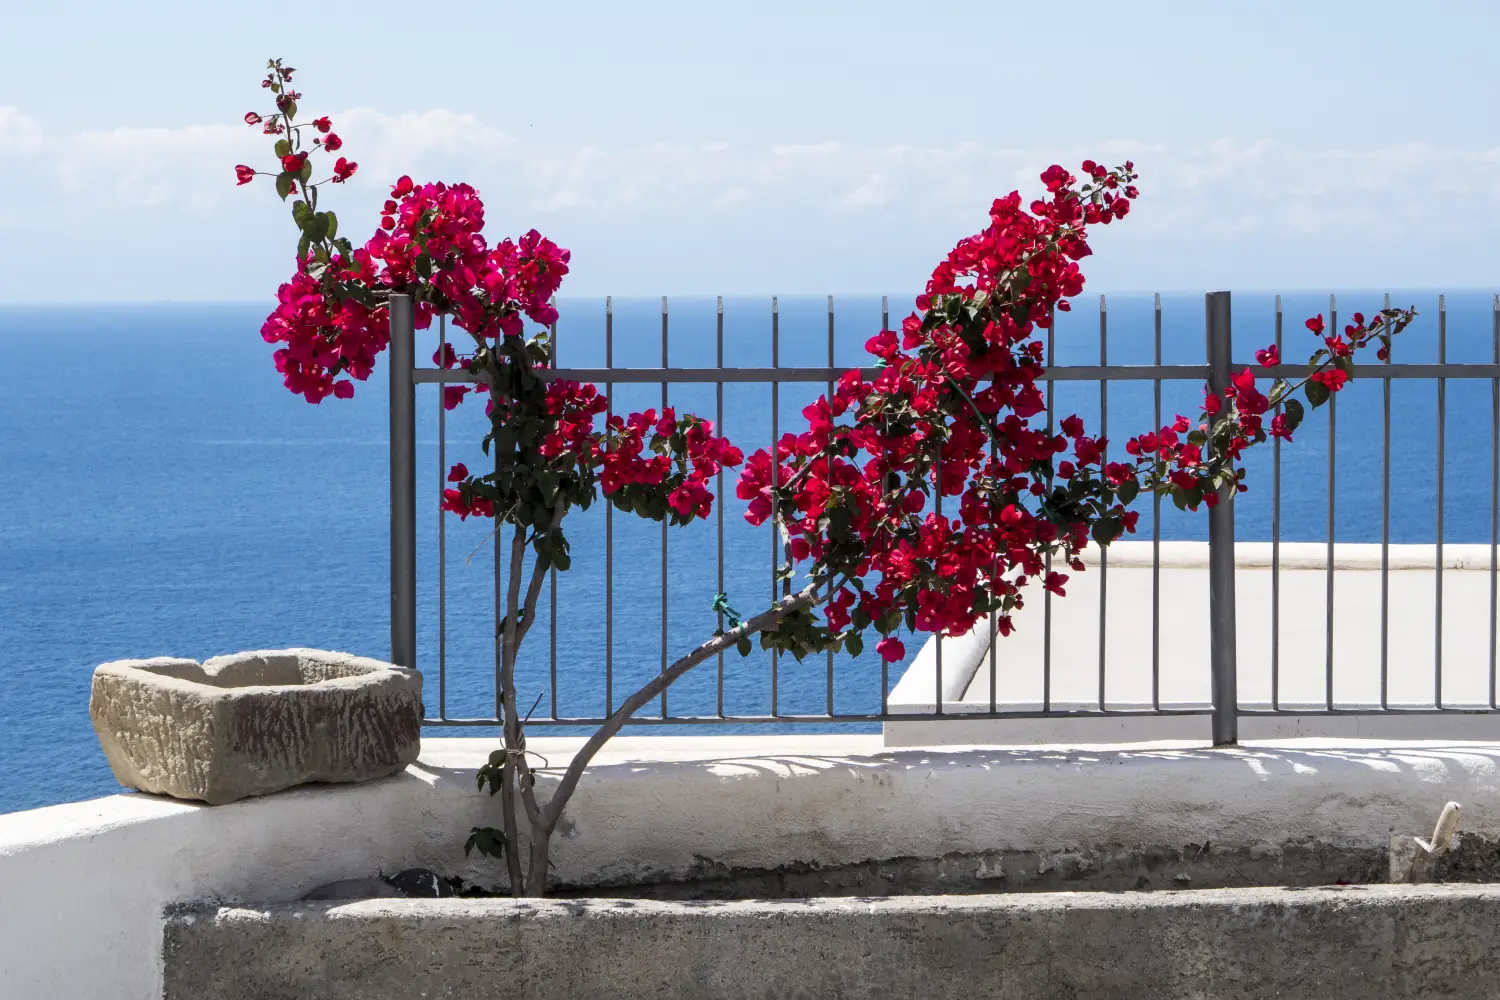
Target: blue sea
162,494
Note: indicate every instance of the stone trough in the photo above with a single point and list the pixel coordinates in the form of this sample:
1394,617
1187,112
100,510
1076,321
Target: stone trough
254,723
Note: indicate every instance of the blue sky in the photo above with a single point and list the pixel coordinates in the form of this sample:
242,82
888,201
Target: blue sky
794,148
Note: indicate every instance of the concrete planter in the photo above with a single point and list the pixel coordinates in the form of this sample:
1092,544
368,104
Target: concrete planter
1380,942
254,723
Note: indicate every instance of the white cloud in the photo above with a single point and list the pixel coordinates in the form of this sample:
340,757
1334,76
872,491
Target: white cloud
18,133
769,215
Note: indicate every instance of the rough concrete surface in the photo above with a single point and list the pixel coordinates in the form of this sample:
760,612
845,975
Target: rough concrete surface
253,723
1360,943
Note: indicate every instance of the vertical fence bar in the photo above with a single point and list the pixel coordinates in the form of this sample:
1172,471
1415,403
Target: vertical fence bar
885,668
830,459
1047,594
1103,461
1333,440
1385,536
1156,518
609,525
775,468
1276,546
1494,484
403,484
552,597
1222,644
500,589
664,520
719,540
937,679
442,533
994,620
1442,428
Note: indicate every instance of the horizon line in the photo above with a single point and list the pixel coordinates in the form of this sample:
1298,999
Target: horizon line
638,296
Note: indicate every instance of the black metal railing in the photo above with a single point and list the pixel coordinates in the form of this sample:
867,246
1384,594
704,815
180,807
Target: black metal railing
1225,709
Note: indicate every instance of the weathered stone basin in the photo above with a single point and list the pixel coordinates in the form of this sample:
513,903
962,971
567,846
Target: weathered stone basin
254,723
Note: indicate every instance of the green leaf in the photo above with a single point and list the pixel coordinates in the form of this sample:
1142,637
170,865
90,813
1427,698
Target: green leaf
283,148
333,224
1317,393
1105,529
1279,390
283,184
1345,364
1197,438
291,110
1128,491
487,840
743,645
1294,414
854,643
306,170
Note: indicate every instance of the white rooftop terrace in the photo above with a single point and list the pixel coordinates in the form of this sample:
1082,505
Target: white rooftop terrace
1154,648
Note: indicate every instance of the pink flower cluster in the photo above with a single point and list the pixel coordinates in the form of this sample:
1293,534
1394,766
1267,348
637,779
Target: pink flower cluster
948,415
430,242
679,454
1243,406
325,336
431,236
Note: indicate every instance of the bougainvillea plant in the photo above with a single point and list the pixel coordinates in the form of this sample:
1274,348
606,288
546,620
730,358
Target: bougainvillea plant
955,410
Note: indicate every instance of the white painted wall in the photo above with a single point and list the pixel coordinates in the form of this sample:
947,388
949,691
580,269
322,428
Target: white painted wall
82,886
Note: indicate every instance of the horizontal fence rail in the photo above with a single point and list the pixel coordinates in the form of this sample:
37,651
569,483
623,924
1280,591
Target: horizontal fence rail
1225,706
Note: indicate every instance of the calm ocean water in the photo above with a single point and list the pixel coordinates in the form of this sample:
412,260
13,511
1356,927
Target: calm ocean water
161,494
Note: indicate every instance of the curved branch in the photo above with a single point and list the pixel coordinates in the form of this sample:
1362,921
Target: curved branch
792,602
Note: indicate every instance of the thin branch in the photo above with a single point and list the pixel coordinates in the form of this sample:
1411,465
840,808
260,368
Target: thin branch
484,541
792,602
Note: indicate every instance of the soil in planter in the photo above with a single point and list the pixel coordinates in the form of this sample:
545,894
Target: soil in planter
1195,866
1472,859
1115,869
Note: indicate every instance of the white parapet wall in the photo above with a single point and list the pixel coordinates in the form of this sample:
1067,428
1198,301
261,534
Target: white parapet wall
83,887
1151,644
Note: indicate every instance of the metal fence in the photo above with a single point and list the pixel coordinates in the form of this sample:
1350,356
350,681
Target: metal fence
1225,710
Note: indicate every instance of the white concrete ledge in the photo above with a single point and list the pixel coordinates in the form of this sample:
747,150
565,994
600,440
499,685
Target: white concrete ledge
1299,556
84,885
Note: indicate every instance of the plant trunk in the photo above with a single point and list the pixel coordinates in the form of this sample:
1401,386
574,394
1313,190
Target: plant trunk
508,815
541,846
